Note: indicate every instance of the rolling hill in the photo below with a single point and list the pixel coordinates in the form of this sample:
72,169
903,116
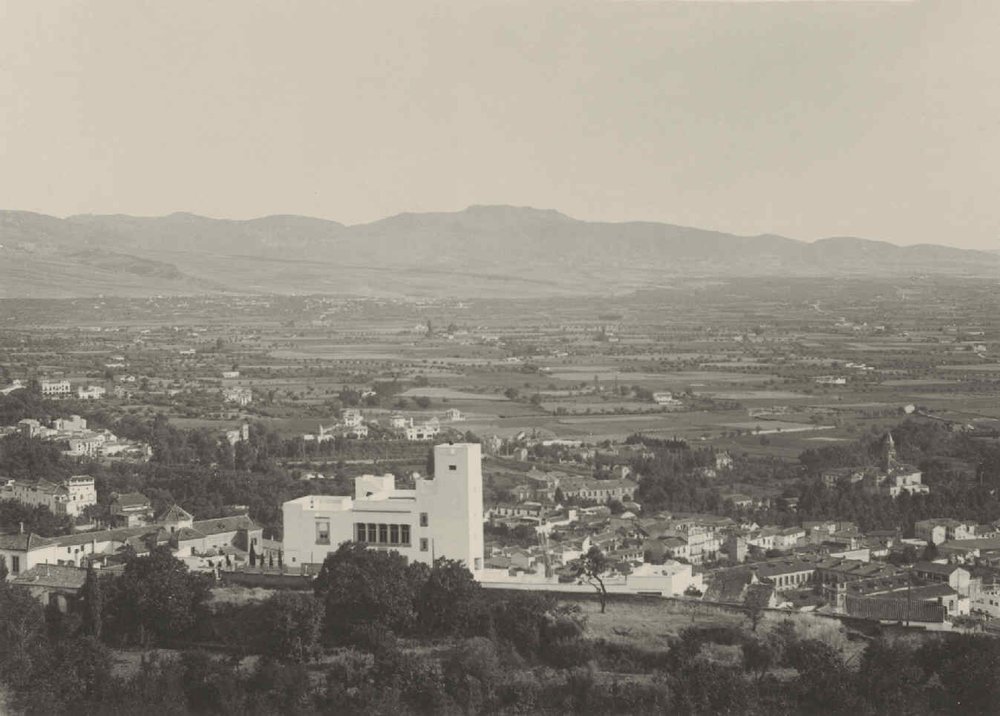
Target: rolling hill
482,250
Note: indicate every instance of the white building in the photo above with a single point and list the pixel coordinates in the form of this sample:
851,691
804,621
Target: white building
440,517
91,392
400,422
69,497
72,424
240,396
424,431
55,388
351,417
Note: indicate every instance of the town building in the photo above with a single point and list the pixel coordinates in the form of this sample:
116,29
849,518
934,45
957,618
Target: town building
943,529
53,585
130,509
91,392
56,388
196,542
240,395
68,497
423,431
893,477
441,517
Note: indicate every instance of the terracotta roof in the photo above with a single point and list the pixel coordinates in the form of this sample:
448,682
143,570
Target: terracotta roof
23,542
934,568
175,513
132,499
55,576
224,524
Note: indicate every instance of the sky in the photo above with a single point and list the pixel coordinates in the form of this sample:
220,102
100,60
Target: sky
806,119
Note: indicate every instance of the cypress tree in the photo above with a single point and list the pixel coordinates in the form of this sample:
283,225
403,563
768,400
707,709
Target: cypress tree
93,603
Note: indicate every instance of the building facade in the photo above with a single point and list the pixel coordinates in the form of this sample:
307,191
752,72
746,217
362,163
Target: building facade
440,517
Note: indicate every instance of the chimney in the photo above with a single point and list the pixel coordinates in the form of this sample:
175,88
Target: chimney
20,528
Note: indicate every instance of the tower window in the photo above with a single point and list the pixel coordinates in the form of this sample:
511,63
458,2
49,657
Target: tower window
423,519
423,544
453,467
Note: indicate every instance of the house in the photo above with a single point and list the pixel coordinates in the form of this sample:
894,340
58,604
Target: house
91,392
55,388
943,529
21,551
351,417
596,490
667,400
69,497
130,509
953,575
523,510
175,517
53,584
789,537
238,394
400,422
424,431
987,600
216,536
454,415
441,517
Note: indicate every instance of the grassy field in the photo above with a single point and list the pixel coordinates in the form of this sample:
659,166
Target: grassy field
651,624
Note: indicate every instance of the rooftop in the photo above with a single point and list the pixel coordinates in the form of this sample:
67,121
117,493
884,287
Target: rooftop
54,576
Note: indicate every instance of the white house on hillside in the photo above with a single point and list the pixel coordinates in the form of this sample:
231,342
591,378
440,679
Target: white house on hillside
440,517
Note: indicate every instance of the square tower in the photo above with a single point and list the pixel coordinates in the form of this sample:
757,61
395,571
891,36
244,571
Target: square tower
454,504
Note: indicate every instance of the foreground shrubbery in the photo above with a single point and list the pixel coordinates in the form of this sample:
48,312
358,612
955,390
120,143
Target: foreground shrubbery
455,649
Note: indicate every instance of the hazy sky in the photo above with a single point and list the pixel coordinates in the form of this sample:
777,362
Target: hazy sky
809,119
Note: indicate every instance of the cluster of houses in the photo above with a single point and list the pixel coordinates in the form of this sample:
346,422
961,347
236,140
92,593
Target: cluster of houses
63,389
833,567
54,568
77,440
352,424
890,477
925,592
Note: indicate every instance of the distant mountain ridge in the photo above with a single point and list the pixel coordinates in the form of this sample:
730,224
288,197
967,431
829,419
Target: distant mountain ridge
481,250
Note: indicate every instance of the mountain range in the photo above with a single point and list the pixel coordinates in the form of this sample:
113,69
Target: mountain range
482,250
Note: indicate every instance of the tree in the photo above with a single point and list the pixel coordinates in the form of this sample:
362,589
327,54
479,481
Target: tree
422,401
361,586
591,568
448,599
22,635
156,597
292,625
93,604
253,556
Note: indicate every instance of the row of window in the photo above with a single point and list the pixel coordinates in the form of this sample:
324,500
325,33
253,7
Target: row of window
375,533
382,533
